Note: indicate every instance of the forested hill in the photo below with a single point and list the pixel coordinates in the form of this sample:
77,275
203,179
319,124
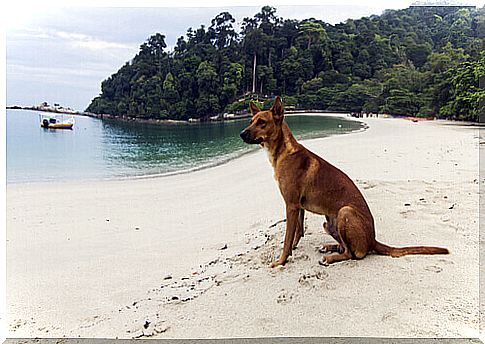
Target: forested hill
423,61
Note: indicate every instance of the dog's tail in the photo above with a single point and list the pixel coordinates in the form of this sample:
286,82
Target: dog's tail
381,248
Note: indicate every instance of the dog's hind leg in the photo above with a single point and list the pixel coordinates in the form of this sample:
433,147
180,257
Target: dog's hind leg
300,229
329,248
351,229
330,226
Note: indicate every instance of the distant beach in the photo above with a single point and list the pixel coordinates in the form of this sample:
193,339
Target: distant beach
186,256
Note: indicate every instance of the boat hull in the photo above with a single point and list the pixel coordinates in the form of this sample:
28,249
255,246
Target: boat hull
57,126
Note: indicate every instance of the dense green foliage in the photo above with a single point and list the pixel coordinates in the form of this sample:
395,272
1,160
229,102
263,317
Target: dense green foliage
416,61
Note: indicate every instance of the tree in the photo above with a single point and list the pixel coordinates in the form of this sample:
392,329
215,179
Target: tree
400,102
416,61
253,43
224,33
232,82
267,19
208,101
465,99
418,53
313,32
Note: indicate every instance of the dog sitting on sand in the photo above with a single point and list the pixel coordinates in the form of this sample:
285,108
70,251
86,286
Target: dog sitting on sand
307,182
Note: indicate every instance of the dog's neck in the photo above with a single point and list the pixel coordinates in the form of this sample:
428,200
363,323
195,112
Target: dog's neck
283,143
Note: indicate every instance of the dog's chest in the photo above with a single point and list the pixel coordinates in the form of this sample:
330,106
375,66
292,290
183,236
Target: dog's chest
270,157
272,161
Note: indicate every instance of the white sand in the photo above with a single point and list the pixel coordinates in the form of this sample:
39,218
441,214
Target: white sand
89,259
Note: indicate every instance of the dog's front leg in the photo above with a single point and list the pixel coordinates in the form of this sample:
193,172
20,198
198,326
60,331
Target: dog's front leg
292,214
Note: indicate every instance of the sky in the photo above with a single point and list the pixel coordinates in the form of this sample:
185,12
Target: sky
61,54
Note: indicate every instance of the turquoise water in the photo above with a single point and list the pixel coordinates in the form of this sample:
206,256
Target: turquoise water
104,149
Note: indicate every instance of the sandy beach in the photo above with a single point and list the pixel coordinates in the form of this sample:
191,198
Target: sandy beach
186,256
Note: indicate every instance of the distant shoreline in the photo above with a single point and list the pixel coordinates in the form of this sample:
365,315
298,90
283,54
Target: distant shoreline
207,119
164,121
219,118
36,108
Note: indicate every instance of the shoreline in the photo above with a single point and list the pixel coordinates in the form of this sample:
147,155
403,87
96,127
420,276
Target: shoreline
187,257
240,155
231,156
125,118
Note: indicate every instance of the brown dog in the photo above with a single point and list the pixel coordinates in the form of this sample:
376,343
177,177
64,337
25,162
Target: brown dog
307,182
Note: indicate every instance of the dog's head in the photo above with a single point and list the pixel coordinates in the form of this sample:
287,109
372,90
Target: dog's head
265,125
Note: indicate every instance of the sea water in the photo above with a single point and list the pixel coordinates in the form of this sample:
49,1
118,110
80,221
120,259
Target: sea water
106,149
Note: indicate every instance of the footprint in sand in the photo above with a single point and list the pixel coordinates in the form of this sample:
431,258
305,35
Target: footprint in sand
368,185
150,329
433,268
178,290
389,316
312,279
92,321
302,257
17,323
285,297
407,213
268,255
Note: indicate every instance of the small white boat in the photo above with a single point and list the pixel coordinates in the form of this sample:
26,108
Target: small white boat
57,121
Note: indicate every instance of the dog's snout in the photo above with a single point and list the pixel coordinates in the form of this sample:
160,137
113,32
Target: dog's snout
248,137
243,134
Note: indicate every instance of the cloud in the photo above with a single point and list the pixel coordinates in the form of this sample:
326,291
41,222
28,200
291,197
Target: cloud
30,34
79,40
74,39
79,85
58,60
54,73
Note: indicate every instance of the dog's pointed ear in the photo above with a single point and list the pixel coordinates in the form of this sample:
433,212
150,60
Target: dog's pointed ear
277,109
254,108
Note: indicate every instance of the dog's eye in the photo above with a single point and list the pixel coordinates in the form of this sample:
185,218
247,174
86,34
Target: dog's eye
261,122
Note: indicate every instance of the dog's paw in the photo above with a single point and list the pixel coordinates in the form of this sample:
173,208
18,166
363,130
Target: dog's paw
325,249
323,262
276,263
